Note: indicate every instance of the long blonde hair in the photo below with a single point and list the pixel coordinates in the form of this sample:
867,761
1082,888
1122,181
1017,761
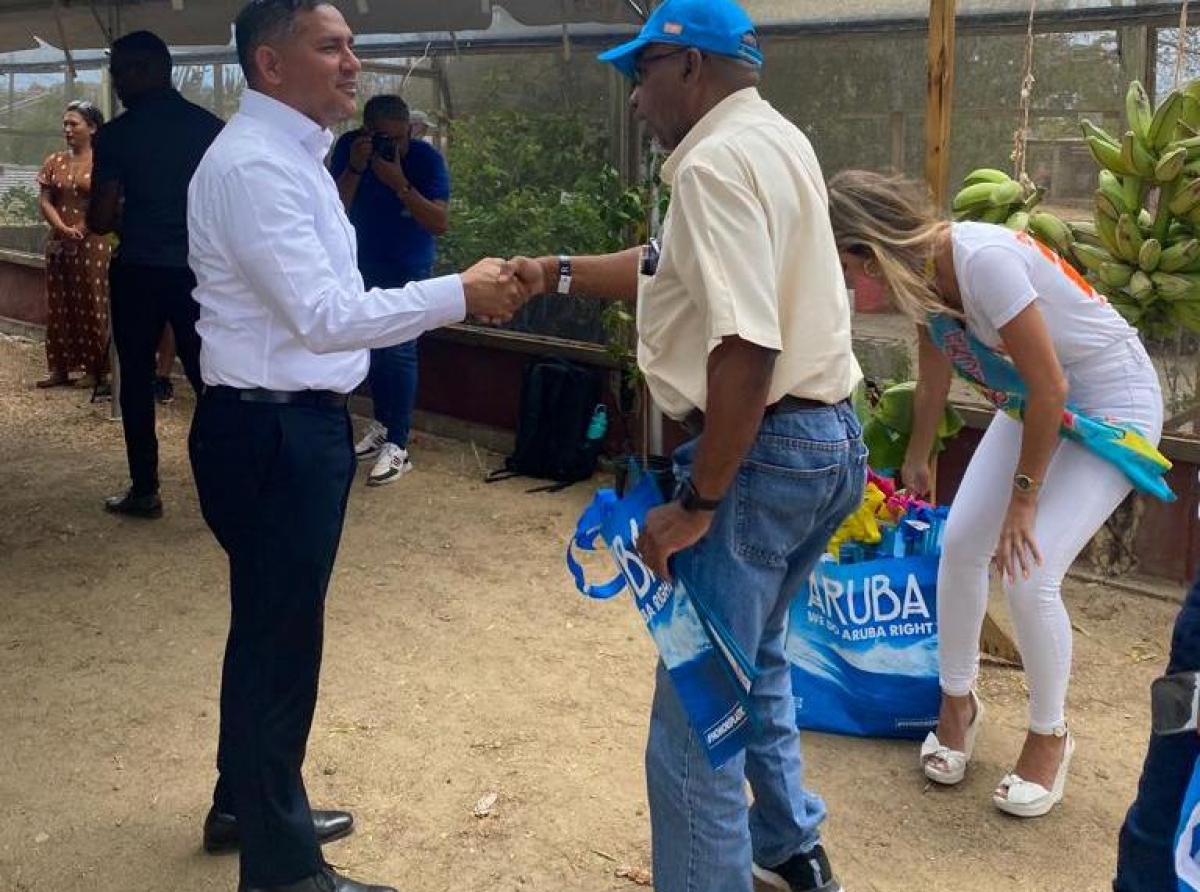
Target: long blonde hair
890,220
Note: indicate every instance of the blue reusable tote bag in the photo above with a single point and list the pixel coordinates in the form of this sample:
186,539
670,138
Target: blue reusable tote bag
862,643
710,672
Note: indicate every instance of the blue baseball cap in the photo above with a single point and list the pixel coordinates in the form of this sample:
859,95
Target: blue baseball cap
720,27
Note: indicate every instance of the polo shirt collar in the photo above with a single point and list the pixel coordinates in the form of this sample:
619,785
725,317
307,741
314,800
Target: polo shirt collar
315,139
707,125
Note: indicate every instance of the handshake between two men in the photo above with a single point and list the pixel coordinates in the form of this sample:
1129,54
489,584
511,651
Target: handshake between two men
496,289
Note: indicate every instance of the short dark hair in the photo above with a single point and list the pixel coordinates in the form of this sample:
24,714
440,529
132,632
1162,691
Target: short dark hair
88,111
143,47
386,107
262,21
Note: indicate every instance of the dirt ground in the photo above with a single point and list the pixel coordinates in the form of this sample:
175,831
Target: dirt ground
459,662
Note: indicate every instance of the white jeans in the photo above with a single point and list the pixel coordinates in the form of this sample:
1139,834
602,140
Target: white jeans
1079,493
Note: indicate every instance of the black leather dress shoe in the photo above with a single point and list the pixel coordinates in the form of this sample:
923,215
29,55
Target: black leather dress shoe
325,881
147,506
221,829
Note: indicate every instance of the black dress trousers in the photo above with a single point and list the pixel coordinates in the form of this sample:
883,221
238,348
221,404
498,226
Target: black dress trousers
273,481
144,300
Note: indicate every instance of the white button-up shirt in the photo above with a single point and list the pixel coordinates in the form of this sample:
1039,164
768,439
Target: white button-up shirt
282,303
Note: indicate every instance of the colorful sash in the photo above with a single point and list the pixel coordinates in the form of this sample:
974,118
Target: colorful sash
1000,384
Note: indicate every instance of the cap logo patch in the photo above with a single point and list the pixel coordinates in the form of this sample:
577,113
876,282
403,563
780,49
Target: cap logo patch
672,28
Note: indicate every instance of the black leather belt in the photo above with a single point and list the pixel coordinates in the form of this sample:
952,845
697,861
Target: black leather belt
314,399
693,423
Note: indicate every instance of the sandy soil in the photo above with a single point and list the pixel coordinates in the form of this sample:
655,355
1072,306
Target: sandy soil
459,662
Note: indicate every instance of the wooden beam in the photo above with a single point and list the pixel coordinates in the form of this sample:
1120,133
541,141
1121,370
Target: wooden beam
938,97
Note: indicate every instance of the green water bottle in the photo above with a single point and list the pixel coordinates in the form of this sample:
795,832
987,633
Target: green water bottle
598,426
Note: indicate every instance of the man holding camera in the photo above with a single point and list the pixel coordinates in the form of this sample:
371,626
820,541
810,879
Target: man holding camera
396,192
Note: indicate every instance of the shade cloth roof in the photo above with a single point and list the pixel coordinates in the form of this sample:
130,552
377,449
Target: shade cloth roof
83,24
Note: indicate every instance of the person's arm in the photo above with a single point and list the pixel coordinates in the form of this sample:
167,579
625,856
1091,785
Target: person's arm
739,379
729,271
347,165
929,403
104,208
611,277
1028,342
433,214
276,248
104,204
50,214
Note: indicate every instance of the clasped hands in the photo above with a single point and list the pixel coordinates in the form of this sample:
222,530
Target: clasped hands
495,289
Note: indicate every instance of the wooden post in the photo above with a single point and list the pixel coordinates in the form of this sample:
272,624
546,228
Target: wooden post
939,92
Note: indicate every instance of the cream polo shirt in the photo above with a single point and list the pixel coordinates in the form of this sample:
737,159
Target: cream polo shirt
747,250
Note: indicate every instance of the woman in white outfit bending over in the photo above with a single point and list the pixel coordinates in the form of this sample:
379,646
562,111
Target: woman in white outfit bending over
1029,501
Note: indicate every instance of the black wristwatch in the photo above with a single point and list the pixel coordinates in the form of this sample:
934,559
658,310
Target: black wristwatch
690,500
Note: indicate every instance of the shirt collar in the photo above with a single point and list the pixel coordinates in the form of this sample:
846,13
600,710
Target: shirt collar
712,121
303,129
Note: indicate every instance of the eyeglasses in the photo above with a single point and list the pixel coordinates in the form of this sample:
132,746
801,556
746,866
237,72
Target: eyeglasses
639,67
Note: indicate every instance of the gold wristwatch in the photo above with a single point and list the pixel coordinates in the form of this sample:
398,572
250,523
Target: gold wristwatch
1025,483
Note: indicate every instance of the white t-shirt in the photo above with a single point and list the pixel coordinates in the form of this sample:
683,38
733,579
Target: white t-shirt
1001,272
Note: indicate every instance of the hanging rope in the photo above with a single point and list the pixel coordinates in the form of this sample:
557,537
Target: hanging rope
1180,46
1021,136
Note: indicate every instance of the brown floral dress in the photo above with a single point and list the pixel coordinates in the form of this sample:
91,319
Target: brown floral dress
76,274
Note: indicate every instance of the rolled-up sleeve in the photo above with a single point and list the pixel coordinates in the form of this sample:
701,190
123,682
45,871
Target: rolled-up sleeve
277,249
726,262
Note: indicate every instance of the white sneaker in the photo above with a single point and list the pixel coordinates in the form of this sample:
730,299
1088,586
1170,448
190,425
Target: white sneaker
391,465
368,447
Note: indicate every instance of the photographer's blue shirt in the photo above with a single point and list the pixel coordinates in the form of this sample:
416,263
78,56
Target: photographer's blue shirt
393,248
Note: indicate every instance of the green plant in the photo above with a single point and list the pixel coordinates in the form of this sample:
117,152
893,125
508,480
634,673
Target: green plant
532,184
19,205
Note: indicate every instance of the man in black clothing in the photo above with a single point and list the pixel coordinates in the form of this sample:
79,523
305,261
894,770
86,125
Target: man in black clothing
143,162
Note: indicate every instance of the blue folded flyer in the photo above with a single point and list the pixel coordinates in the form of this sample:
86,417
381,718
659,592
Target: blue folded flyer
710,672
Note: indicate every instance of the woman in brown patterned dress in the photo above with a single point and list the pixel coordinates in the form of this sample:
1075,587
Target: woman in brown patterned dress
76,260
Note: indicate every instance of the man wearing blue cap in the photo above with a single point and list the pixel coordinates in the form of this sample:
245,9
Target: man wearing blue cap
744,336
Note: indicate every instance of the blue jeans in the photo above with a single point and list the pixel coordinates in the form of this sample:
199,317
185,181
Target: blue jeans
804,474
393,373
393,383
1146,850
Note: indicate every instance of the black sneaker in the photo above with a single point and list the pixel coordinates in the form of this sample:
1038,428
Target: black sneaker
164,391
806,872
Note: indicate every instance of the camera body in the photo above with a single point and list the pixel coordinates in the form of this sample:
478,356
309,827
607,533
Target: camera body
383,146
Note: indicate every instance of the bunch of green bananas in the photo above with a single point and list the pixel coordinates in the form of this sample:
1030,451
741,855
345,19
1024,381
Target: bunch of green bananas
988,195
1143,250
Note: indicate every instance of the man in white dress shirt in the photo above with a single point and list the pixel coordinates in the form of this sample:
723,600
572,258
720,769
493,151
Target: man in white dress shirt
286,326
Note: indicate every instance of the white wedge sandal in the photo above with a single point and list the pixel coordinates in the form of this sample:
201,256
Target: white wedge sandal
1025,799
943,765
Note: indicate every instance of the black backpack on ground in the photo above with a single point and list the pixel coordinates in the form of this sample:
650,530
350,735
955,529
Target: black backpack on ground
557,401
